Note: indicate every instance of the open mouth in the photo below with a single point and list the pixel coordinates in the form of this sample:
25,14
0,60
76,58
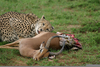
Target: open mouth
38,31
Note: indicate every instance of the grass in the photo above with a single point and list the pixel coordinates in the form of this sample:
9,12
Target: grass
79,17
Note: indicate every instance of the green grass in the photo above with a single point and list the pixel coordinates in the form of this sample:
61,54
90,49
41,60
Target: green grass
79,17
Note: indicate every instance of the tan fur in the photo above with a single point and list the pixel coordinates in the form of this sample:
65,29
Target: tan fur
37,40
30,46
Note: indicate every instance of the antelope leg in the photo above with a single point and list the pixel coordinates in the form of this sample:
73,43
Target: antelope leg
7,47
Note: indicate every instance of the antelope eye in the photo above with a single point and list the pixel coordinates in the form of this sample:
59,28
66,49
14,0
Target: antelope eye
41,50
43,24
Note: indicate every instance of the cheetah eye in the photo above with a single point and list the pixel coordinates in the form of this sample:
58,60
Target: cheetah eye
43,24
40,29
47,29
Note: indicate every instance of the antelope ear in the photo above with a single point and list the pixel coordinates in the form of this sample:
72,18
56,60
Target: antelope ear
42,17
42,44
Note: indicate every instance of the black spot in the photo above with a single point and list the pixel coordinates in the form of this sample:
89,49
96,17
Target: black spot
22,31
30,31
15,26
5,36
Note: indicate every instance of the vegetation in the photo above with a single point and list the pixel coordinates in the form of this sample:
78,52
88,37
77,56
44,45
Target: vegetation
79,17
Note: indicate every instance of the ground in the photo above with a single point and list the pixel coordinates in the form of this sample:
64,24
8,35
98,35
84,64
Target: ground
79,17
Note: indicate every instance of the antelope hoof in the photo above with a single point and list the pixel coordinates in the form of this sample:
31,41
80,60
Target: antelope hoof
52,57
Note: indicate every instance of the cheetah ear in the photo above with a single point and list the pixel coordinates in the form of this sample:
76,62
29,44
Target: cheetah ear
42,17
29,15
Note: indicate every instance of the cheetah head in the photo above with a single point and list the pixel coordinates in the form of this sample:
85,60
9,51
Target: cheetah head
43,25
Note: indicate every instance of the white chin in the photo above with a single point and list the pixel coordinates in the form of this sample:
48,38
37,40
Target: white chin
36,29
37,32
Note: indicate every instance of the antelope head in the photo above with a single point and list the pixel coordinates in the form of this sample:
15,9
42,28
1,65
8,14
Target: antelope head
43,51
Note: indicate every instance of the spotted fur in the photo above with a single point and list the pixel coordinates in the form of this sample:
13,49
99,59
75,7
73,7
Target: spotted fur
14,24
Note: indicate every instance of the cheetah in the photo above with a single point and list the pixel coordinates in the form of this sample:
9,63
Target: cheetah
14,25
